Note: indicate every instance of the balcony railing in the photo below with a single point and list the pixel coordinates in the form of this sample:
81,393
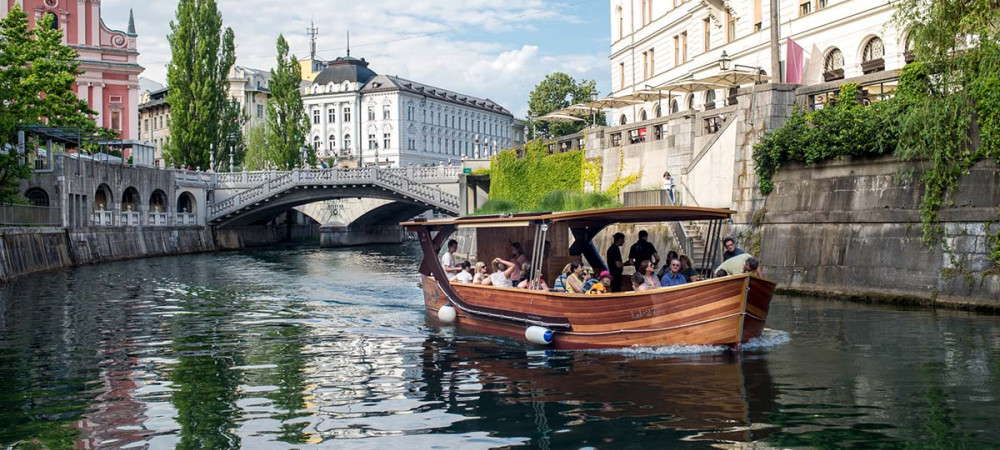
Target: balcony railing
29,216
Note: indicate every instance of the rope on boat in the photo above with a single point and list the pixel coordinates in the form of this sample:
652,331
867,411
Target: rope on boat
676,327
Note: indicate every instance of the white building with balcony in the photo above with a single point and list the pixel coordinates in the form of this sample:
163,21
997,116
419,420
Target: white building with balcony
654,42
363,117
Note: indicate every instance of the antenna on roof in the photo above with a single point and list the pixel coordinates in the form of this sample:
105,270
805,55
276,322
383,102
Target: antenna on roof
348,43
312,31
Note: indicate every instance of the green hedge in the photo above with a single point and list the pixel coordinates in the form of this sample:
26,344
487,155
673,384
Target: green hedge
524,182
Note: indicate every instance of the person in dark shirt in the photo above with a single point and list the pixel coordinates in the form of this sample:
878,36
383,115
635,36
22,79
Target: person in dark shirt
643,250
731,249
615,262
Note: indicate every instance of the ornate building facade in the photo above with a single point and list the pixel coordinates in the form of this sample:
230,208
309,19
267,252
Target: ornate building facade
660,41
108,59
365,117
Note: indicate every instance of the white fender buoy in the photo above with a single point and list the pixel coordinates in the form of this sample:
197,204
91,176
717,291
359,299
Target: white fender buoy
538,335
447,313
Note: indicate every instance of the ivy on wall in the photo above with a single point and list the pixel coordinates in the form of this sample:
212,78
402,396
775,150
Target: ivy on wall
524,182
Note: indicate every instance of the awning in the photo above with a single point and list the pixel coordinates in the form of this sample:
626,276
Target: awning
734,78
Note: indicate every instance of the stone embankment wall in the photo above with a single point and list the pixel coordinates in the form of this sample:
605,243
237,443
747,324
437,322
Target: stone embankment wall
28,250
852,228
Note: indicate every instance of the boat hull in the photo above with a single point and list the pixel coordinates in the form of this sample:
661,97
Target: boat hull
725,311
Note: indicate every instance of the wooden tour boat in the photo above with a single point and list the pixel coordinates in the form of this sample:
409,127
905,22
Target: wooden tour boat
719,311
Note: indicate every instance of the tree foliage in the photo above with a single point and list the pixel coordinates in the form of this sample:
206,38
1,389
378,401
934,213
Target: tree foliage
37,74
258,156
233,119
202,53
550,95
287,124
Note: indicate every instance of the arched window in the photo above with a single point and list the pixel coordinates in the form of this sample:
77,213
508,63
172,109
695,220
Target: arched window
656,110
872,56
387,108
908,48
674,107
316,143
130,199
622,120
37,197
371,112
710,99
642,115
833,65
621,23
55,20
332,142
158,201
690,102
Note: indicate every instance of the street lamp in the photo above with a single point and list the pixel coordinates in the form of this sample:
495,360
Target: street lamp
725,64
593,111
724,61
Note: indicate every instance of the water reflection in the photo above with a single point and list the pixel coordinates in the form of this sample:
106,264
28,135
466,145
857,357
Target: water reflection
301,347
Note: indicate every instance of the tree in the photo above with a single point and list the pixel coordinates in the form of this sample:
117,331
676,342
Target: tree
37,74
258,156
233,119
550,95
287,124
201,56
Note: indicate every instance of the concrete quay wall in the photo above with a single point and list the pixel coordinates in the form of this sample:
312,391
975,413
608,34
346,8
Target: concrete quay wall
852,228
29,250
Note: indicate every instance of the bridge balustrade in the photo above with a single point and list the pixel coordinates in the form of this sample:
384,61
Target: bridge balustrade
103,218
186,219
130,218
157,219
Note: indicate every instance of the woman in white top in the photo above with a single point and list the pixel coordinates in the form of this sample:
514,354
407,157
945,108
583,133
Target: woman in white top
668,186
501,274
481,273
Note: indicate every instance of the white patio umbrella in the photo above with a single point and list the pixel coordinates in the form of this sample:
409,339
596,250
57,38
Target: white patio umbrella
689,86
648,95
559,118
733,78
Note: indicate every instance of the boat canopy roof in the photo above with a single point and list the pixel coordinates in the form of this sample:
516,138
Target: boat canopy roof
586,218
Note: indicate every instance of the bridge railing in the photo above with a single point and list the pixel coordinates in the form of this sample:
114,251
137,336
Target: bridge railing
428,174
275,182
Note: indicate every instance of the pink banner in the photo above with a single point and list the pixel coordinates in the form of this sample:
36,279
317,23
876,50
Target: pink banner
794,62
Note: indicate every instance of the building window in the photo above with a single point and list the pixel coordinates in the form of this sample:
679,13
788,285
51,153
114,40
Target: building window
372,143
758,16
331,115
386,140
684,47
820,4
347,114
872,56
260,111
730,26
833,65
116,120
332,143
385,112
55,20
652,64
315,116
642,7
805,7
677,50
707,27
371,113
316,143
347,142
145,124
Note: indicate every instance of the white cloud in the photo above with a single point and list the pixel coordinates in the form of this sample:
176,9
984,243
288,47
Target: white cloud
448,43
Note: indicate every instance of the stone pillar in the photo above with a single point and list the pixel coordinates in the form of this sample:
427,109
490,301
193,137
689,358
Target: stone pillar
98,104
132,112
81,22
94,22
83,91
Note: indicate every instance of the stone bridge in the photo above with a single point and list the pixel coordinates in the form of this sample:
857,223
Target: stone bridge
387,196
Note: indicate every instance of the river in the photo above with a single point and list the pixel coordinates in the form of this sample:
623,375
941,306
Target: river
301,347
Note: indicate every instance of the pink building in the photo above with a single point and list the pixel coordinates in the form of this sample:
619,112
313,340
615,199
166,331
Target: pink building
108,58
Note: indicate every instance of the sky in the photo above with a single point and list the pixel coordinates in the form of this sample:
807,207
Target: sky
496,49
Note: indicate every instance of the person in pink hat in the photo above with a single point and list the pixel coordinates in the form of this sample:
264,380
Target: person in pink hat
602,287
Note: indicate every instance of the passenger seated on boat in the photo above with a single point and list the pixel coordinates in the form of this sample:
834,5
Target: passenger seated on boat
646,269
738,264
673,277
602,286
448,260
481,273
525,274
639,281
688,270
671,255
518,258
526,283
501,274
560,284
588,279
465,276
574,282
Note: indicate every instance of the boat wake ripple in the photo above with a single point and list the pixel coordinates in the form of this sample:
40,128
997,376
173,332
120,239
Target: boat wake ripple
768,339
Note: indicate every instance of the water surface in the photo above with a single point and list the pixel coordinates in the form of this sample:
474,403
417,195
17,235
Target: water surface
301,347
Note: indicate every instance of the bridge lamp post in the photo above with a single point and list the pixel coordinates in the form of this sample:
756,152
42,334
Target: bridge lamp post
478,155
